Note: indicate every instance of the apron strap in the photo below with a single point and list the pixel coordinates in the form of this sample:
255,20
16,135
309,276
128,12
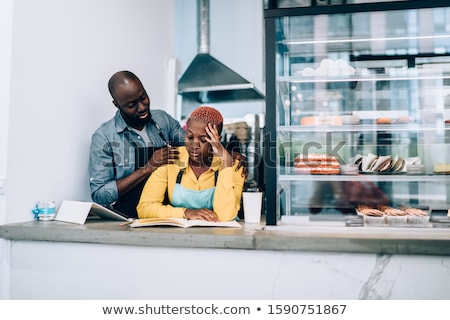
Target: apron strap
180,175
159,132
216,174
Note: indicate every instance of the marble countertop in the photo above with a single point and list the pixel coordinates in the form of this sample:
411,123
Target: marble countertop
427,241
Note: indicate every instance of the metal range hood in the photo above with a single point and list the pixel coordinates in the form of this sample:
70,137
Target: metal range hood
206,79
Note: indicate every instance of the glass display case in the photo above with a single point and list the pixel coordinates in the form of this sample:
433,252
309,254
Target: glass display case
357,108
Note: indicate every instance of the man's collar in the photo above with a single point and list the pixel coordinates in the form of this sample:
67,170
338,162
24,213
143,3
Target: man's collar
121,125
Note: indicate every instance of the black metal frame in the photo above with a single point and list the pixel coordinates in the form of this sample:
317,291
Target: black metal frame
275,12
270,16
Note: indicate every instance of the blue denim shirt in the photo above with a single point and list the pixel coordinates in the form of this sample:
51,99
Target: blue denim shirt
112,151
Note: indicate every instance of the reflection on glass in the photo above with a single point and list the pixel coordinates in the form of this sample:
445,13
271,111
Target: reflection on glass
344,196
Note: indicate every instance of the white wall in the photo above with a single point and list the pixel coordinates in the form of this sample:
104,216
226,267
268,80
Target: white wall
6,22
63,54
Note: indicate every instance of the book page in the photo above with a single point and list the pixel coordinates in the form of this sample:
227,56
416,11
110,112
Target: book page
179,222
204,223
148,222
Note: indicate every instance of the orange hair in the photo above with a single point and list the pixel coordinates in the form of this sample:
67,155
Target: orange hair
208,115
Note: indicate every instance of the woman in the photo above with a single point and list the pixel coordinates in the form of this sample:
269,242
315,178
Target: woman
203,184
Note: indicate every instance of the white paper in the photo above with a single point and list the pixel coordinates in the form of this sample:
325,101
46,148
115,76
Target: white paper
73,211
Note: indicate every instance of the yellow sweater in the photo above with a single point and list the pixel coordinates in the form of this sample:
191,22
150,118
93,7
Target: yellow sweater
227,196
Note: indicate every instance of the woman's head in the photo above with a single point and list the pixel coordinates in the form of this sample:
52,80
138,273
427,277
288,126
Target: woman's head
199,149
207,115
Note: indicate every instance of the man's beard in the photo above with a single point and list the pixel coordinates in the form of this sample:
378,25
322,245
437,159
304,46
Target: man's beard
136,122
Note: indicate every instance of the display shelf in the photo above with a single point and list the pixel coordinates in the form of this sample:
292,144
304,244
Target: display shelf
369,78
413,127
366,177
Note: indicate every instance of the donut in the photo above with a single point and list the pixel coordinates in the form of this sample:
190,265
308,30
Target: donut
384,121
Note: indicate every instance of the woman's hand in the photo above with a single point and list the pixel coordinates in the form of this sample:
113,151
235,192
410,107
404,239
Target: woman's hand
217,147
200,214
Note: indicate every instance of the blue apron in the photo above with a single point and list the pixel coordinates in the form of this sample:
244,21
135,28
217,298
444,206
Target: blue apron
193,199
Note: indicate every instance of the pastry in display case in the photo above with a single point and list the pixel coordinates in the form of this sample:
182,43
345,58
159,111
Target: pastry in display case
356,109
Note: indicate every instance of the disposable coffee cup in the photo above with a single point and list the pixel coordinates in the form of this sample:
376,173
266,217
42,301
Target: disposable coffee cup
252,201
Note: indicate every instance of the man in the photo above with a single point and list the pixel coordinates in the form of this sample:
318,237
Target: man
126,149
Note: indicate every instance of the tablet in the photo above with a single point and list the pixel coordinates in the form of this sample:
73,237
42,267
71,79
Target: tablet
78,211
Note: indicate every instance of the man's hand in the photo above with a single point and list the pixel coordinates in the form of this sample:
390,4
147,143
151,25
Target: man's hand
242,162
166,155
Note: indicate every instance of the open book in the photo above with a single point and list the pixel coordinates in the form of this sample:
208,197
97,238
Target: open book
183,223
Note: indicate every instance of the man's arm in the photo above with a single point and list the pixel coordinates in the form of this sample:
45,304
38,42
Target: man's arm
102,170
160,157
110,176
108,181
